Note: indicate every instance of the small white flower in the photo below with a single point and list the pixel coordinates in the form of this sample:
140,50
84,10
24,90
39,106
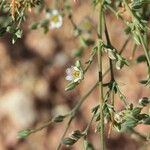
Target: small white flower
55,18
74,74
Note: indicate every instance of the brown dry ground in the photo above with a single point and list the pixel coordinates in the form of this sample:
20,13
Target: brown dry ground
32,81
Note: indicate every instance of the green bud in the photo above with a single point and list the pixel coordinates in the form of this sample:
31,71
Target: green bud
78,64
34,26
59,118
69,141
24,133
77,134
141,58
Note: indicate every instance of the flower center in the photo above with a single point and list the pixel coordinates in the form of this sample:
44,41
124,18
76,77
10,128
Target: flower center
55,18
76,74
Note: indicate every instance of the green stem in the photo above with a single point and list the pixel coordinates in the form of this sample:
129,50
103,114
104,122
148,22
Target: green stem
80,101
102,138
130,11
42,127
74,111
124,45
145,49
88,126
133,51
66,129
144,44
109,44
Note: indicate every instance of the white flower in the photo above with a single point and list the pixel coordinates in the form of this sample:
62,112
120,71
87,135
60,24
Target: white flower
74,74
55,18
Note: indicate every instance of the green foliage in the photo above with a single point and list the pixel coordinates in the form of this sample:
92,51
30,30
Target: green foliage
13,14
24,133
75,136
135,15
138,4
88,145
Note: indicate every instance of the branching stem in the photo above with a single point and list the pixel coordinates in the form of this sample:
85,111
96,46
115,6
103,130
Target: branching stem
100,67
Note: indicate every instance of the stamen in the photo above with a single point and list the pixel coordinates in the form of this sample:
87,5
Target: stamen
55,18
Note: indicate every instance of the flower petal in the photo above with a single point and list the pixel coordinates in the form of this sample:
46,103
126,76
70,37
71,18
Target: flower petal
55,12
68,70
69,78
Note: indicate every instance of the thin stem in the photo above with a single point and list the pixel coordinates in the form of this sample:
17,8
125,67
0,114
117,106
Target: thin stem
124,45
88,126
113,104
74,111
77,105
109,44
130,11
133,51
52,120
90,60
141,38
42,127
112,77
76,108
65,132
145,49
100,25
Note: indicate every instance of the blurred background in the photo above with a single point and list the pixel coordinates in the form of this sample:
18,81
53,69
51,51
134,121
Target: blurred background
32,83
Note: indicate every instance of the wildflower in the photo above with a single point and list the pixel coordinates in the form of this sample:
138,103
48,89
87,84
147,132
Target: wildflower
56,19
74,74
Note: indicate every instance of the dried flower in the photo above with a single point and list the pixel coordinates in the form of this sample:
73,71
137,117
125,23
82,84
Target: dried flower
55,18
74,74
